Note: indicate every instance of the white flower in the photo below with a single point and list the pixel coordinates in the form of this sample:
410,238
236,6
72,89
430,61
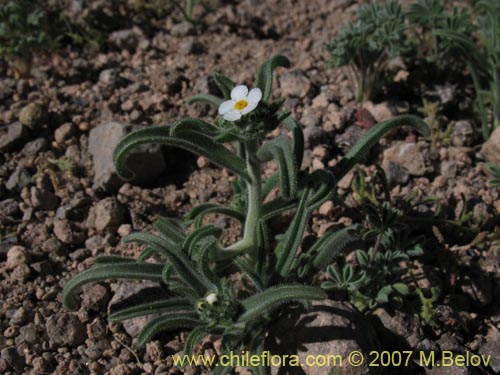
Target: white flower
211,298
241,103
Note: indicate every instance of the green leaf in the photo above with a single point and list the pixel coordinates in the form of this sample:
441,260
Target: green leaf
280,150
370,139
197,235
100,272
224,84
167,323
113,259
213,100
265,74
169,230
276,296
210,208
401,288
298,139
190,140
182,265
331,244
162,306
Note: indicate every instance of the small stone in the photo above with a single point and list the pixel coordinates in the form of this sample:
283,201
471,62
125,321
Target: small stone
381,112
182,29
202,162
491,148
21,273
107,215
28,333
9,208
191,46
64,132
43,199
95,298
395,174
67,233
408,155
18,180
43,268
334,118
33,148
33,115
326,208
102,141
463,134
65,329
125,39
17,255
294,84
124,230
449,168
404,326
349,138
12,357
327,327
109,77
16,135
478,287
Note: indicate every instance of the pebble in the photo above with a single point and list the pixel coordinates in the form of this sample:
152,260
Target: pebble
64,132
33,115
16,135
294,84
64,329
16,256
107,215
491,148
44,199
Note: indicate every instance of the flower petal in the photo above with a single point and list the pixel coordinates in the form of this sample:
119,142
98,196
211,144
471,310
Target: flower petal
232,115
250,107
239,92
254,95
226,106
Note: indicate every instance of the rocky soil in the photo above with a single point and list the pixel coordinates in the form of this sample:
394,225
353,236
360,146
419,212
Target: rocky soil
62,204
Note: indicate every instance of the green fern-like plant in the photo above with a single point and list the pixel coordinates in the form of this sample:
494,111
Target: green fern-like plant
190,259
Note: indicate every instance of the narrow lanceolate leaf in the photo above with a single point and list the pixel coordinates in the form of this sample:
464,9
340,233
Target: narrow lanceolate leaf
276,207
190,140
331,244
213,100
224,84
169,229
192,125
322,185
288,246
265,74
370,139
203,209
280,150
100,272
199,234
113,259
164,323
163,306
298,139
182,265
273,297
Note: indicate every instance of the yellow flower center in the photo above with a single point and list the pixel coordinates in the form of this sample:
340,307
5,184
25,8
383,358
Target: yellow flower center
240,104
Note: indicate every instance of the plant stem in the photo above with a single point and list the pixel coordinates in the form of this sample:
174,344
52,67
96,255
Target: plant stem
249,241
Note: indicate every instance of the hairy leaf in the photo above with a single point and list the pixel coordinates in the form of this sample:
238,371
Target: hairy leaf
224,84
265,74
213,100
273,297
163,306
164,323
100,272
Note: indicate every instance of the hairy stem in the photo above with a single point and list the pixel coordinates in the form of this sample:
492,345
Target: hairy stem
248,244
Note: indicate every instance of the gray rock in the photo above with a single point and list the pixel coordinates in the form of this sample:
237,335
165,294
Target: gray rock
43,199
449,168
9,207
191,46
126,294
28,333
395,174
43,268
95,297
295,84
68,233
33,115
64,132
16,135
182,29
16,256
490,348
382,111
14,360
107,215
34,147
313,135
329,327
19,179
109,77
491,148
411,156
64,329
125,39
463,134
146,161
